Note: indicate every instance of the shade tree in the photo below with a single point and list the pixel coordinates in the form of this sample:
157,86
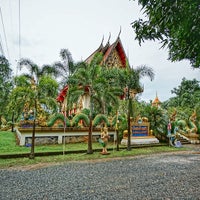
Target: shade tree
6,85
175,24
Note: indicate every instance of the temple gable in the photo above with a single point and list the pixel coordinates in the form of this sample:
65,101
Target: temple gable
114,60
113,56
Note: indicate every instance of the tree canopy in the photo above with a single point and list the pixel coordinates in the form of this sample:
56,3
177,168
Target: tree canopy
175,24
5,84
187,95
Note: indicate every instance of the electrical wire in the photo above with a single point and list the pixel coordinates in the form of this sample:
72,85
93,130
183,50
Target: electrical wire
4,33
19,30
1,46
19,18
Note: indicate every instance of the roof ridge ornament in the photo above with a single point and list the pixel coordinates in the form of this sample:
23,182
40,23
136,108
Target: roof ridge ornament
109,38
120,30
102,41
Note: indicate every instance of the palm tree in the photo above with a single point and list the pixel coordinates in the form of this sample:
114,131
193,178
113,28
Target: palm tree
66,67
43,89
130,79
86,81
108,96
90,80
18,97
156,118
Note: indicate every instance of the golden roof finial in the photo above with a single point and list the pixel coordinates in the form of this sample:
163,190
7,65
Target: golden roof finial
156,101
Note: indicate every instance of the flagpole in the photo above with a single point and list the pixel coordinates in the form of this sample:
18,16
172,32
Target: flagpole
116,133
64,130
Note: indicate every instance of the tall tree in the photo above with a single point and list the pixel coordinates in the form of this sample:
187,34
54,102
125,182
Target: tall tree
5,85
175,24
91,80
66,67
86,80
187,94
107,97
42,89
130,79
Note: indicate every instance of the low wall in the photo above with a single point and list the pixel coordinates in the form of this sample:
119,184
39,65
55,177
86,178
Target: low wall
46,135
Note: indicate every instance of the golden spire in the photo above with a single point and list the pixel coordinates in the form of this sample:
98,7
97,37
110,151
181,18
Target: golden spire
156,101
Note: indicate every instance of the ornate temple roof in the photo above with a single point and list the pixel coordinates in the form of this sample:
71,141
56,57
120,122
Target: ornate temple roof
113,56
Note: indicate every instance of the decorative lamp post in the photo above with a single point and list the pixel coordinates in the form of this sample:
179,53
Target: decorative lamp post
130,95
117,132
34,88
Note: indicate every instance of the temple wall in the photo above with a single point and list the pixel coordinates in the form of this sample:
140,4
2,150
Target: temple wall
57,136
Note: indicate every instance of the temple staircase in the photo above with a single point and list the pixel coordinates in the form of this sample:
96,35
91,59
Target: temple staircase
183,139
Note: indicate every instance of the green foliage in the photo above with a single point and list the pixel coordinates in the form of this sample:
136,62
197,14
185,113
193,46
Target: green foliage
107,96
119,118
89,80
98,82
5,70
187,95
17,99
38,85
157,118
100,118
6,85
66,67
130,77
175,24
48,86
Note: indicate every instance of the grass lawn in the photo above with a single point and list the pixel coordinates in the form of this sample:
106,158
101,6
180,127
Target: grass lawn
8,146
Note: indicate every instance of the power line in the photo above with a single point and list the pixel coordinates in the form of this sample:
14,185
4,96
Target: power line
19,30
1,46
19,18
4,34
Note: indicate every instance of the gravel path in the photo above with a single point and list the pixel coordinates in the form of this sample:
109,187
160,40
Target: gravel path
161,176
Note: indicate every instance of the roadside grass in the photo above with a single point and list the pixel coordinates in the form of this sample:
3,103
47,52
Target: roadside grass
8,145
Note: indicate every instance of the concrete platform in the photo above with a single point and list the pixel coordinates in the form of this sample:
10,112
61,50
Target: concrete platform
140,140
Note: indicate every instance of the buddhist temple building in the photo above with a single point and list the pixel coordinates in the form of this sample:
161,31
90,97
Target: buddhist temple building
113,56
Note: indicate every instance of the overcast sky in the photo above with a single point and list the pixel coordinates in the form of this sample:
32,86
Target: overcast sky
47,26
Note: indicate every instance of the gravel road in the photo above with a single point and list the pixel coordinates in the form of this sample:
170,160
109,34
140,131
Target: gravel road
160,176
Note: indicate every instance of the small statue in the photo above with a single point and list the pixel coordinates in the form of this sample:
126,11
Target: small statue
104,140
169,128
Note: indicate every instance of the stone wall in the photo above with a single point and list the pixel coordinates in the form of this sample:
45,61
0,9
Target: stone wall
68,139
42,140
